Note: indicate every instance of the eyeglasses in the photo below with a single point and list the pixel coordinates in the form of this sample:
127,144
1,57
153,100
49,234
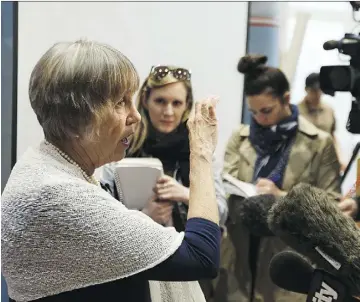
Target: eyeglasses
160,72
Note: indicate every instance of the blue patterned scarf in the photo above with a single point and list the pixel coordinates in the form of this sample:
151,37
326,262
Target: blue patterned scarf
273,146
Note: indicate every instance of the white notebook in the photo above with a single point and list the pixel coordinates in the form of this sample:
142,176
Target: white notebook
135,179
237,187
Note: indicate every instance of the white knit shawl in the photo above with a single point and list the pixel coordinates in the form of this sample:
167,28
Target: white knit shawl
60,233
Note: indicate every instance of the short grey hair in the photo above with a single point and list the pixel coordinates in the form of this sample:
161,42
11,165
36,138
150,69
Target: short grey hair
74,82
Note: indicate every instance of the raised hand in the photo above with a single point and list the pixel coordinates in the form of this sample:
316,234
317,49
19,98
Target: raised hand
203,128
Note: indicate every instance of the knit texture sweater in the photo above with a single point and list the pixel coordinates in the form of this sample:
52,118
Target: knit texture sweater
60,233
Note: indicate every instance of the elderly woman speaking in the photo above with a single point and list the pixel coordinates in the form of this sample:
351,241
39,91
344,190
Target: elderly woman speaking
64,238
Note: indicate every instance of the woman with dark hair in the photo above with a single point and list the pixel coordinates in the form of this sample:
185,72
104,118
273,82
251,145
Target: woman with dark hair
276,151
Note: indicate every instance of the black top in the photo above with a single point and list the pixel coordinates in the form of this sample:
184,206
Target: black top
173,150
198,257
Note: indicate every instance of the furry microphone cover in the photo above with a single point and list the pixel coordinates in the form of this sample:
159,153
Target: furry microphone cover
252,212
309,221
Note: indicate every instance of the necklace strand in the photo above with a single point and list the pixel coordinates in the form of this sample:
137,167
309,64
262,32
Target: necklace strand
90,179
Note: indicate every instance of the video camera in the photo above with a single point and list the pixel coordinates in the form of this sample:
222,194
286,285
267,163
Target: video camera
345,77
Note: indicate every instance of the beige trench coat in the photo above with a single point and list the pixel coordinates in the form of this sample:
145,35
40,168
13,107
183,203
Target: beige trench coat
312,160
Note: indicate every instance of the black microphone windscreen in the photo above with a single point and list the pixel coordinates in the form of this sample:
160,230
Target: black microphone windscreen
253,213
329,45
309,221
291,272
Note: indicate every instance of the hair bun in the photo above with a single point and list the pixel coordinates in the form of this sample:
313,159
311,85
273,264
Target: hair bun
250,64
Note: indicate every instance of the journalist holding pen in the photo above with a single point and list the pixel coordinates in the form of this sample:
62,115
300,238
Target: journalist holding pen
64,238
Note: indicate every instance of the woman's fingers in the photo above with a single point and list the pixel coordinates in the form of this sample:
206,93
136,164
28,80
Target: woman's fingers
203,127
212,113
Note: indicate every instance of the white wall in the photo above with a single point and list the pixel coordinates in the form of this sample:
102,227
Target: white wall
208,38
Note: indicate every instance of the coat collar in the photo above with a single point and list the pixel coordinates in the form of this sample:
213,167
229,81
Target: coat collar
303,149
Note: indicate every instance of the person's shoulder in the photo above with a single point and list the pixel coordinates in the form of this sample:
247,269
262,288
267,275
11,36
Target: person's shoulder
75,194
326,107
309,130
240,133
242,130
38,181
302,106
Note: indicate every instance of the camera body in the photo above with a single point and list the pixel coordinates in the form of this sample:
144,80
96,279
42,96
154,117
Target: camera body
345,77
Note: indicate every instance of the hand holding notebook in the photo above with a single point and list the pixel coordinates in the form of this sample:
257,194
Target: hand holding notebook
135,179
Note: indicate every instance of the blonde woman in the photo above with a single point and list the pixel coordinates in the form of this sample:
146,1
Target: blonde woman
63,238
164,102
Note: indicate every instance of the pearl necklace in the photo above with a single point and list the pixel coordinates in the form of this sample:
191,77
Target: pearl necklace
90,179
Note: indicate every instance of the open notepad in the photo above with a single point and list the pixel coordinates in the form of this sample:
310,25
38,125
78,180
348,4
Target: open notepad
237,187
135,179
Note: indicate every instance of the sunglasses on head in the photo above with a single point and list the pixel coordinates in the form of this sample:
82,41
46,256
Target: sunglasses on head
160,72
